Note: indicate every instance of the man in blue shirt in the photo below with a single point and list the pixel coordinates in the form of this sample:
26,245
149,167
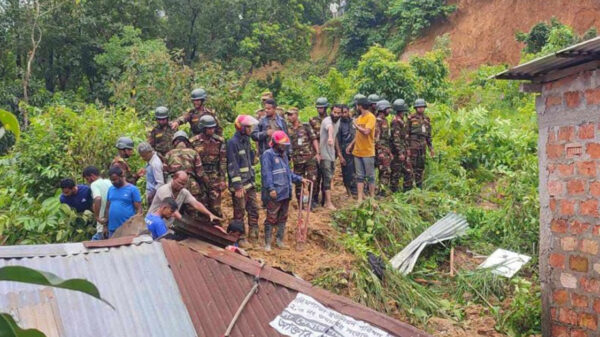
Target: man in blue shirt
78,197
277,179
123,201
155,222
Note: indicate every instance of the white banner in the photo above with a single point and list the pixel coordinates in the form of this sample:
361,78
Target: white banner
305,317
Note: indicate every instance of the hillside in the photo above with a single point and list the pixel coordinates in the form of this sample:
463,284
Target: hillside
483,31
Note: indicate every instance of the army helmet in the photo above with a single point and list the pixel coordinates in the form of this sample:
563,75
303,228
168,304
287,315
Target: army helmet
358,97
383,104
373,98
207,121
162,112
400,105
419,102
198,94
124,143
322,102
180,133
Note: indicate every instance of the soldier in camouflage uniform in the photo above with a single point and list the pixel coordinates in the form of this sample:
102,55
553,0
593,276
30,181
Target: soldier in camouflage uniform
419,140
211,149
183,158
315,123
373,99
125,149
193,116
260,113
398,144
305,149
160,137
383,153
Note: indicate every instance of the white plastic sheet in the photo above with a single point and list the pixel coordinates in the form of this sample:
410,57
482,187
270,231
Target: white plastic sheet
505,263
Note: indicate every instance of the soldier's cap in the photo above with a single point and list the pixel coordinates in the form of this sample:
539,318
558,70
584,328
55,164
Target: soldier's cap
266,95
292,111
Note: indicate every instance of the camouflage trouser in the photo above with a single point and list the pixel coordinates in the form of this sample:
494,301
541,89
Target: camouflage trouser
210,195
277,214
246,204
417,162
401,169
317,184
307,170
383,162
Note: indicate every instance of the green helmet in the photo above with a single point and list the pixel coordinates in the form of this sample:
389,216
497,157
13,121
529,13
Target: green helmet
180,133
400,105
198,94
322,102
208,121
420,103
383,104
373,98
124,143
357,97
161,112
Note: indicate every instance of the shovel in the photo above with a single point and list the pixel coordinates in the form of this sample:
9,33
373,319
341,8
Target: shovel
302,225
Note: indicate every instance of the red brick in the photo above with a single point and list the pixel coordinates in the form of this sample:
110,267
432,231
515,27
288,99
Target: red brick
566,133
560,297
573,98
590,285
552,101
589,246
567,207
592,96
580,301
554,151
578,263
559,331
555,187
589,321
586,168
558,226
552,204
586,131
589,207
595,188
567,316
557,260
597,305
578,333
568,243
566,170
575,187
592,149
577,227
551,135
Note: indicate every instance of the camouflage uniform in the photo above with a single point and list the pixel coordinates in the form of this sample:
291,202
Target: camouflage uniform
398,144
160,139
383,153
213,155
303,153
122,164
419,138
260,113
315,123
182,158
193,117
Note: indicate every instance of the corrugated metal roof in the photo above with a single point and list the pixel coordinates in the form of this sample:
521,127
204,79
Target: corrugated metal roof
213,283
136,279
566,58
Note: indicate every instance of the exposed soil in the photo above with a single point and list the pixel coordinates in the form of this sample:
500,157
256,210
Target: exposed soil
322,46
483,31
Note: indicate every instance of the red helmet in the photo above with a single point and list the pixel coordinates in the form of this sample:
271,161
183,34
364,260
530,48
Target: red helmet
279,137
244,120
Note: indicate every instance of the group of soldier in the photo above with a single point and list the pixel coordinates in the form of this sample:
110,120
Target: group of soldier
290,152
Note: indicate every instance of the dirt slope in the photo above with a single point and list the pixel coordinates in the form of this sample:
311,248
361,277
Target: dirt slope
483,31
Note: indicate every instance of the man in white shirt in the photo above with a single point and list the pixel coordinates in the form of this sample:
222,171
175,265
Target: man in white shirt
99,187
329,129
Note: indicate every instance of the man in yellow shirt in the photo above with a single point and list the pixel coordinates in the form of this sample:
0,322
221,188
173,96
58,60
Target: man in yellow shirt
364,148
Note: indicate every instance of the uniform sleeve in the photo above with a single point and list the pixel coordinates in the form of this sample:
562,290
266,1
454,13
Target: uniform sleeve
222,161
183,118
296,178
266,172
151,138
233,168
428,137
198,169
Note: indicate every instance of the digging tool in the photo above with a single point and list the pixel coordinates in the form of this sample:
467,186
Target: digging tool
302,226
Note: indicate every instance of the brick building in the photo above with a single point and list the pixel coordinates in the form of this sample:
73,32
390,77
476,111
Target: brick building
568,110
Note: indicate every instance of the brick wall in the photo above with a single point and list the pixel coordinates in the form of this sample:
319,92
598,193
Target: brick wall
569,152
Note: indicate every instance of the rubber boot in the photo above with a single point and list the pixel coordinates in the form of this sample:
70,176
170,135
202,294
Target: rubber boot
253,236
280,233
267,237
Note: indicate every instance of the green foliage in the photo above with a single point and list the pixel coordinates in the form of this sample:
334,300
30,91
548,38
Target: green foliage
523,317
361,28
270,42
432,74
9,328
536,39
